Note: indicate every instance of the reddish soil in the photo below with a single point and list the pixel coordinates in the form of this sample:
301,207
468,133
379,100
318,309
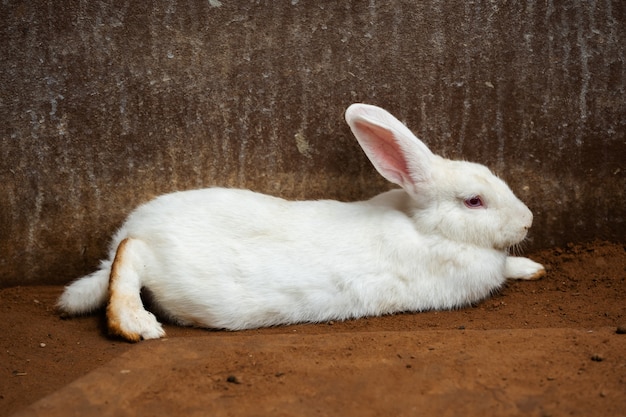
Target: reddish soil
583,294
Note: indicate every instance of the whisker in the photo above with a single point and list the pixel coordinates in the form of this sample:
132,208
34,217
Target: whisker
516,249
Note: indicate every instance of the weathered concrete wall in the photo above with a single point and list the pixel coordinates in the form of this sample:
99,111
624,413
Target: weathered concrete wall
105,106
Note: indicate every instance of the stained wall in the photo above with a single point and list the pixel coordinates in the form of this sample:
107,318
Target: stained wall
105,105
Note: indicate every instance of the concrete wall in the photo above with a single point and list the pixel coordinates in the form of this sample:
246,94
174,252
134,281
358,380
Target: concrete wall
104,106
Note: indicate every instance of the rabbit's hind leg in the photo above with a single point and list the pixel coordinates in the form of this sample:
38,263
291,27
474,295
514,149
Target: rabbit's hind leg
126,316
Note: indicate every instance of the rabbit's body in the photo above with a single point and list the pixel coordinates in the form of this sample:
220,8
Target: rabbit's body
236,259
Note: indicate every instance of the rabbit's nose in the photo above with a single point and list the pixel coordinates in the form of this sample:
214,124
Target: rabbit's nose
528,217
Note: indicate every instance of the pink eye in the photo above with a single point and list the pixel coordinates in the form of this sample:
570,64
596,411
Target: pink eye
473,202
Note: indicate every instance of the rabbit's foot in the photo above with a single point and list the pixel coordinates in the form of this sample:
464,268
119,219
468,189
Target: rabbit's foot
523,268
132,322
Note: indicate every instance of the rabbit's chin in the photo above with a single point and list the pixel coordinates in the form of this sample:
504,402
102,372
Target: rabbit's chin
495,240
505,240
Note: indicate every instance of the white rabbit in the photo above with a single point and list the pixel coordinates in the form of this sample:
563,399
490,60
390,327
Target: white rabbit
235,259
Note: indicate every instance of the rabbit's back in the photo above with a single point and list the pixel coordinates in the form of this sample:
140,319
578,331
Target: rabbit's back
237,259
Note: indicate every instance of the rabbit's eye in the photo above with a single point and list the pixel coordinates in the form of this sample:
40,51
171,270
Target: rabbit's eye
473,202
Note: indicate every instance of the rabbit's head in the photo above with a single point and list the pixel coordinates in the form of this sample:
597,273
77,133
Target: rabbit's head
461,201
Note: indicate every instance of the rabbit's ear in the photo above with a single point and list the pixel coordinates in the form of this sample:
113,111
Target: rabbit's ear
394,151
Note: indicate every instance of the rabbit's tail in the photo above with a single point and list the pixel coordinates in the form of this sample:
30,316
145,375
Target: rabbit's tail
86,294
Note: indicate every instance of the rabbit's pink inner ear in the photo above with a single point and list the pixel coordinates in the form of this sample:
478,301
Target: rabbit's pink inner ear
385,153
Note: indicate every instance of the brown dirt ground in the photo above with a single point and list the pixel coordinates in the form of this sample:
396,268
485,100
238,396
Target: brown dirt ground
584,292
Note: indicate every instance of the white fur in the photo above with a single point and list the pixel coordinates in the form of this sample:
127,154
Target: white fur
235,259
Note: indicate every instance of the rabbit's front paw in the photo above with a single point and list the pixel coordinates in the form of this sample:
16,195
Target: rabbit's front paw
523,268
133,323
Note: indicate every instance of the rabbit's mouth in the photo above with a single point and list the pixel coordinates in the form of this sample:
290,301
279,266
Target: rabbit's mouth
513,240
